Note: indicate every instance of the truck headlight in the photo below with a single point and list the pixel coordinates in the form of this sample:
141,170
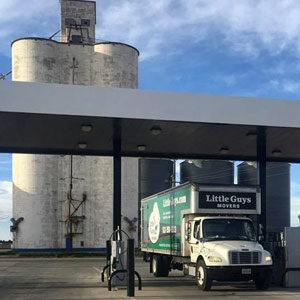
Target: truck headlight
214,259
268,258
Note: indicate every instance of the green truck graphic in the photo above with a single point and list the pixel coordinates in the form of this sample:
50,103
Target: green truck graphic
161,215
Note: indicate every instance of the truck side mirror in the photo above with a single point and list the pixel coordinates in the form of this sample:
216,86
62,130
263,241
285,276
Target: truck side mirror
260,233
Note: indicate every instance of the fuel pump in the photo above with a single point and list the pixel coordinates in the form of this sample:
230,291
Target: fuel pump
117,259
118,272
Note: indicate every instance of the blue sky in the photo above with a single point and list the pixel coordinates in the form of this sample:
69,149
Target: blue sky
245,48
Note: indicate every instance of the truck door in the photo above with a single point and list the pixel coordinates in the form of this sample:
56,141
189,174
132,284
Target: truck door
195,241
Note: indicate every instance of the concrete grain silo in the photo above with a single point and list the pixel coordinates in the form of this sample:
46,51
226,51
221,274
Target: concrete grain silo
155,175
207,171
41,183
278,191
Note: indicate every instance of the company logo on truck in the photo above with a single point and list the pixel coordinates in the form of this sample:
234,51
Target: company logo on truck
154,224
227,200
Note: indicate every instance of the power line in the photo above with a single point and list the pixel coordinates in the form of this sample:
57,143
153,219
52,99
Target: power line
3,76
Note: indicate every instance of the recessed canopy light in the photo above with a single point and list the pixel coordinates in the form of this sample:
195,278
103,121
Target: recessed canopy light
276,152
86,127
141,147
82,145
251,135
156,130
224,150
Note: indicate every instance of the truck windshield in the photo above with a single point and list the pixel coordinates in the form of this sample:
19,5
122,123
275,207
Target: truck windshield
228,229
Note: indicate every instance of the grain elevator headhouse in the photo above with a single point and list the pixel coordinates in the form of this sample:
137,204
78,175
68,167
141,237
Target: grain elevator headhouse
78,21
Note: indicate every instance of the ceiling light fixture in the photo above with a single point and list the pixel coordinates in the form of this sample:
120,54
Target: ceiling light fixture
82,145
156,130
224,150
86,127
252,135
141,147
276,152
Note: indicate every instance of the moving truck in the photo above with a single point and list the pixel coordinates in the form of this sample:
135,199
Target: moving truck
205,231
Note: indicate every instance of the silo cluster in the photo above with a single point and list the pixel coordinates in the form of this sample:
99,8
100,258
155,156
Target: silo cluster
41,183
222,172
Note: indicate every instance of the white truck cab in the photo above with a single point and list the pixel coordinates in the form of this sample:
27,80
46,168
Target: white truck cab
225,248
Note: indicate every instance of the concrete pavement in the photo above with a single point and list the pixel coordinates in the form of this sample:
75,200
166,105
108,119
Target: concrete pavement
79,278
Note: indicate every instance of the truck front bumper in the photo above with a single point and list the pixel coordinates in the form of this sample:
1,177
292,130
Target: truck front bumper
238,273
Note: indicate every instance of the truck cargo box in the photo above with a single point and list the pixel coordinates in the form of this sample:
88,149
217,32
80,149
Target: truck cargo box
162,213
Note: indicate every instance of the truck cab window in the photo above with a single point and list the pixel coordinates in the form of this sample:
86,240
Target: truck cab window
228,229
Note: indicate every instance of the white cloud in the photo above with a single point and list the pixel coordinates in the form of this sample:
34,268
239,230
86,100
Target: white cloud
248,27
5,200
26,18
295,209
291,86
295,187
228,79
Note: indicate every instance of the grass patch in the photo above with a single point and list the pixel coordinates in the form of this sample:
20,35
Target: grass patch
59,254
5,252
53,254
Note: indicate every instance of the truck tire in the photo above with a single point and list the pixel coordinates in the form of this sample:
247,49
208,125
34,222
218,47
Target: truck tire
203,280
263,281
160,266
166,265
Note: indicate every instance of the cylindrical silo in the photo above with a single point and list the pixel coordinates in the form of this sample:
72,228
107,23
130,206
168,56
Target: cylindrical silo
103,64
35,199
35,60
278,191
207,171
48,61
155,175
115,65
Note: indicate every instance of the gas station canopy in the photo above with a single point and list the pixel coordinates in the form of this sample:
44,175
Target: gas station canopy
64,119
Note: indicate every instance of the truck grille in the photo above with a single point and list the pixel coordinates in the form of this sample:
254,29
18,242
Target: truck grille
244,258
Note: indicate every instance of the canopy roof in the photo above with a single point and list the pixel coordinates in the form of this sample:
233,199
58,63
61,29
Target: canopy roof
47,119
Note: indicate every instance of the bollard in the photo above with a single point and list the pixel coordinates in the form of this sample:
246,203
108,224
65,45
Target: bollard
108,257
108,250
130,268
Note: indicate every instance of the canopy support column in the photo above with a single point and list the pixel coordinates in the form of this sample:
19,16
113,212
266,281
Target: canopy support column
117,169
262,178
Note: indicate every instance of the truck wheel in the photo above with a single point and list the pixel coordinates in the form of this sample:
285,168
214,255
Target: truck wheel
203,280
156,265
262,282
166,266
160,266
